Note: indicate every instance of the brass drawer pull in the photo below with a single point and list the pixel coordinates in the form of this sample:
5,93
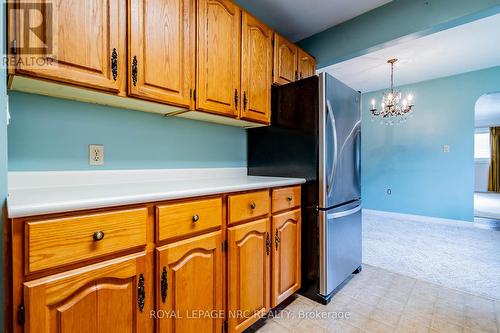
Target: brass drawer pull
98,235
253,205
196,218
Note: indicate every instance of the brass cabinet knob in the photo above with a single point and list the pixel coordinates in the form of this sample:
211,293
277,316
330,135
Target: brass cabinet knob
98,235
253,205
289,198
196,218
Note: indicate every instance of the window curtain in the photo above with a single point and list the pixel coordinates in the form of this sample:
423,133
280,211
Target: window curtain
494,176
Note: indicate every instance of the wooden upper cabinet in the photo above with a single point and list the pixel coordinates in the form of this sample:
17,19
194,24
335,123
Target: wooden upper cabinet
285,60
256,70
306,65
218,57
89,44
162,50
286,234
189,275
100,298
249,273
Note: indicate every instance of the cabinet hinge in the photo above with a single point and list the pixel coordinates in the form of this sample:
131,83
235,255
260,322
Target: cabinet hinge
14,46
225,246
272,72
224,326
194,95
20,314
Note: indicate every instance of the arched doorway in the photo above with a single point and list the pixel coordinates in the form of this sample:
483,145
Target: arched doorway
486,200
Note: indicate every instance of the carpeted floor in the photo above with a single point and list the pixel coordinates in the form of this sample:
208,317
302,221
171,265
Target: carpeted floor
455,255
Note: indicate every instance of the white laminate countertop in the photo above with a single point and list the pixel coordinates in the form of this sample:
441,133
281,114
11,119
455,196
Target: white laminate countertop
37,193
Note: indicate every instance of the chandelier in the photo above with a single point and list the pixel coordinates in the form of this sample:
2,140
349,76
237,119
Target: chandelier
394,109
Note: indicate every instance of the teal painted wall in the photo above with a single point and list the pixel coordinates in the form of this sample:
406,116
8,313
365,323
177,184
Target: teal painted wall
53,134
3,157
387,25
409,158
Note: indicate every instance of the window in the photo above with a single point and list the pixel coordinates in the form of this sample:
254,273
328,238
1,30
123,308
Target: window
482,145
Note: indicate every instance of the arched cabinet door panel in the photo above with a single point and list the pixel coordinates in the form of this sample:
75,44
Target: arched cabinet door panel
104,297
189,285
249,274
218,57
256,70
307,65
86,43
286,255
285,61
162,50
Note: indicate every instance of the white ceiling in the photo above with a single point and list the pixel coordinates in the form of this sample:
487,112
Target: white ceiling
298,19
488,110
465,48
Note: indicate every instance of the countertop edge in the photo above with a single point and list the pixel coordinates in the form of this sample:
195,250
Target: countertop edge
30,210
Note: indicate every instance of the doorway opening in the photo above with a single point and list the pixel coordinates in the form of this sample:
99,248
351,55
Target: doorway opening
486,194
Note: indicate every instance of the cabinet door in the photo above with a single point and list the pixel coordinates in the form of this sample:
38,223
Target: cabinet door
162,47
307,65
256,70
189,275
248,273
285,60
286,255
101,298
218,57
88,43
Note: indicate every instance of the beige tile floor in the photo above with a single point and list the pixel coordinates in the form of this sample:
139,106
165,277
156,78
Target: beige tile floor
377,300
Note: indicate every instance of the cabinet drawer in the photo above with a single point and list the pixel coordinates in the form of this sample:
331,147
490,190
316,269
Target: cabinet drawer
186,218
62,241
285,198
248,206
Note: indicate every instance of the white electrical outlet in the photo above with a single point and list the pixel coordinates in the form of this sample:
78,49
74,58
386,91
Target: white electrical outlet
96,154
446,149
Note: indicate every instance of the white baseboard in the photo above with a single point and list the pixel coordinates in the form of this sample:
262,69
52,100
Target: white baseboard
417,218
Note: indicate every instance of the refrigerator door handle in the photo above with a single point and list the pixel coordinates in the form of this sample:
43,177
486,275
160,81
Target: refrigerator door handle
335,143
345,213
357,157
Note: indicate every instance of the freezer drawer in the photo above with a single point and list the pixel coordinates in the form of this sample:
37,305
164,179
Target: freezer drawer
340,253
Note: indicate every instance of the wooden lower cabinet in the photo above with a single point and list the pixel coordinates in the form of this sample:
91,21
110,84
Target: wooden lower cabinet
101,298
286,229
234,262
249,275
189,285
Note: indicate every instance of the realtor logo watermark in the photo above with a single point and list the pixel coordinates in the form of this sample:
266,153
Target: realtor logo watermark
32,43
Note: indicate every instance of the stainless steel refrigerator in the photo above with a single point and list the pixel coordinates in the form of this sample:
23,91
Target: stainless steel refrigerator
315,134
